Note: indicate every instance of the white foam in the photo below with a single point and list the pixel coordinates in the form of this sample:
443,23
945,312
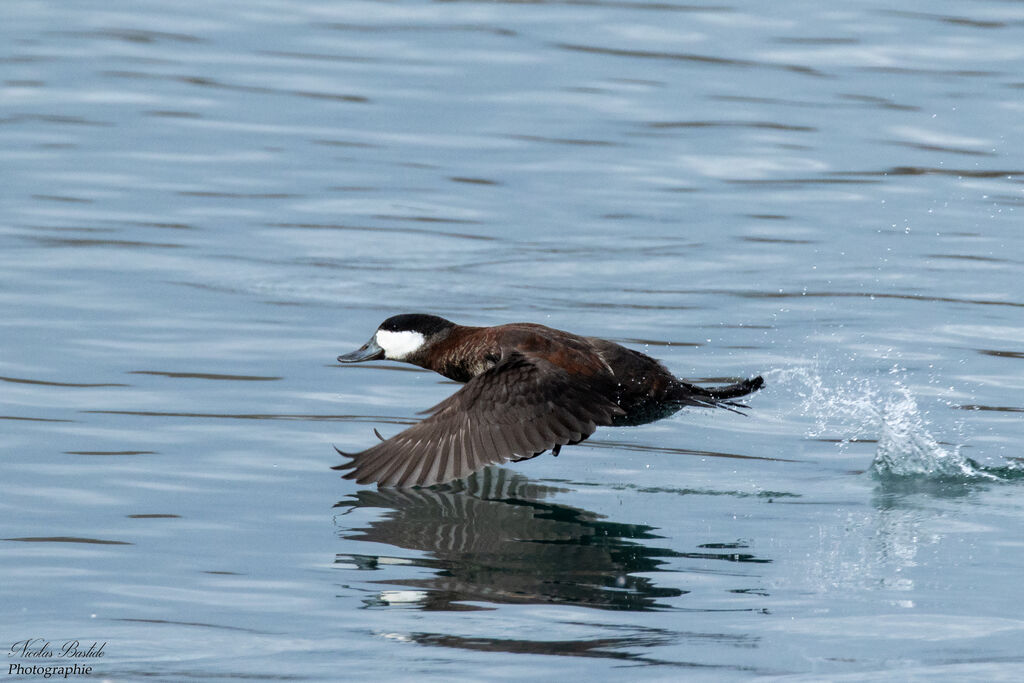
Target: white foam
885,409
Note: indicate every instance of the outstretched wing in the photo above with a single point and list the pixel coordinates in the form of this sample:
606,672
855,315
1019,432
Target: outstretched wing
521,406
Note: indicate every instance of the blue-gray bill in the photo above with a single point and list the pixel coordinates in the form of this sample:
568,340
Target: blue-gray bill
368,351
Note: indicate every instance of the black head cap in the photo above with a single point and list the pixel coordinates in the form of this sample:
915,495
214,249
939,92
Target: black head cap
427,325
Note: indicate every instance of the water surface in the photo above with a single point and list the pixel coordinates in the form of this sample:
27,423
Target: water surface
205,203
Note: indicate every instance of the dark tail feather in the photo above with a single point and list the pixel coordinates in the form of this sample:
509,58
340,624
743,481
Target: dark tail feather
747,386
718,397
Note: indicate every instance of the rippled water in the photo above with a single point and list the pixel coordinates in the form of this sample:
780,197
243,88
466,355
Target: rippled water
205,203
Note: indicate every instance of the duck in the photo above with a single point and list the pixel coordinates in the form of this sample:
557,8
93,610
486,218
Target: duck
527,389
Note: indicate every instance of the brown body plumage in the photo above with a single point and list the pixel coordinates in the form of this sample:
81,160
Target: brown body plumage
528,389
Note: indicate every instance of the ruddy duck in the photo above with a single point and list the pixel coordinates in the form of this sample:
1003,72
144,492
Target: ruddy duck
528,389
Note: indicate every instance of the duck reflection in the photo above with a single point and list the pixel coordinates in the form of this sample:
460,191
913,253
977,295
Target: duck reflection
492,539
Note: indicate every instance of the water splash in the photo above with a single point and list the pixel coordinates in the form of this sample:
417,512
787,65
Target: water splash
885,409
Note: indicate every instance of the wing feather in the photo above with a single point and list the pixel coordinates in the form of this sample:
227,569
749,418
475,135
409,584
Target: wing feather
522,406
476,446
406,471
432,472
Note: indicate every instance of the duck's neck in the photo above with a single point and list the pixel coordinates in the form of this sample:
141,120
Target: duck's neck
460,355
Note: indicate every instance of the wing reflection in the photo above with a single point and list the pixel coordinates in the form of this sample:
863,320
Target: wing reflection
492,539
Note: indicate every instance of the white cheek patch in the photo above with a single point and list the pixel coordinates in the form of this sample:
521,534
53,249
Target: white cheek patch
399,345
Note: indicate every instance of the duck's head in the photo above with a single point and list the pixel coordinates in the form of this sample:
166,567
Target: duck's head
405,337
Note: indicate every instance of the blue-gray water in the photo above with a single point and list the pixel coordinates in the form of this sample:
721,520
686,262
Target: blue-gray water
204,203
